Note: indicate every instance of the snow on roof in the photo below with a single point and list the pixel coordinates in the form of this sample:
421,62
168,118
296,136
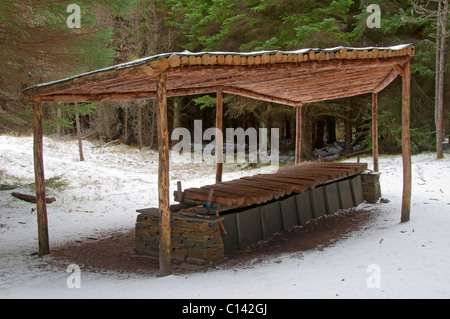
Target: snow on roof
145,60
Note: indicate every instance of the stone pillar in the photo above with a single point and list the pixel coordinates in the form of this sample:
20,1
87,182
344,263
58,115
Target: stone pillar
371,187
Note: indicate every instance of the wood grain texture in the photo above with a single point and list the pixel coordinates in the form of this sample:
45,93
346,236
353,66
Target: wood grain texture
38,132
165,248
262,188
280,77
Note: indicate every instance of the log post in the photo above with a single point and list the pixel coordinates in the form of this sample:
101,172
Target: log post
298,134
165,246
406,142
219,137
80,142
348,128
375,131
139,120
38,131
58,126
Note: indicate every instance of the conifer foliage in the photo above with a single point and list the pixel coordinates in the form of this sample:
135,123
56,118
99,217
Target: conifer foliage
36,46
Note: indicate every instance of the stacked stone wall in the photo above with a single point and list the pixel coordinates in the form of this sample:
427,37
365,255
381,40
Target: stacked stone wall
193,241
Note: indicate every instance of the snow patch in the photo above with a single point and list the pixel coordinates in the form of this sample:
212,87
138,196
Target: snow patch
105,191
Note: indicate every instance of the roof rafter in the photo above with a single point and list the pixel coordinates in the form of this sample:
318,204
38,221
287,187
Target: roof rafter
290,78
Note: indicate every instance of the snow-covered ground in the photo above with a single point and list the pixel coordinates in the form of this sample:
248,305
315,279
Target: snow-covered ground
385,260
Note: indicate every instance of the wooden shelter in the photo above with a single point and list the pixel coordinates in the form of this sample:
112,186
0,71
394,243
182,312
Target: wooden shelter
291,78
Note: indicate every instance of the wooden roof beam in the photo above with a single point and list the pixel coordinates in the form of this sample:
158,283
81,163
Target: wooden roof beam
399,69
101,97
388,80
259,96
72,98
155,68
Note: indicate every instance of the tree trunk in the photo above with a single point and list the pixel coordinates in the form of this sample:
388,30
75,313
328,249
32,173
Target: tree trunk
331,126
176,112
58,127
440,63
80,142
139,120
348,128
153,125
298,134
125,133
250,119
269,123
31,198
438,59
319,134
288,130
307,134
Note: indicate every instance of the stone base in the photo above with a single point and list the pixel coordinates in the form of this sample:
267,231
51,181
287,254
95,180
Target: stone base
194,240
199,241
371,187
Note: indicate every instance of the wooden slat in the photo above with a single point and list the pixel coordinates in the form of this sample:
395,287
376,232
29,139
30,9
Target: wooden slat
220,198
296,187
261,188
331,172
282,189
252,196
320,173
277,190
289,187
352,168
303,183
317,177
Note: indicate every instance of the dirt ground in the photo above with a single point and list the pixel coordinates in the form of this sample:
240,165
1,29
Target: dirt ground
114,252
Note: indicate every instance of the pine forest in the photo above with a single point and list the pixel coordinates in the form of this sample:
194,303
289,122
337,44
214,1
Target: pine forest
38,45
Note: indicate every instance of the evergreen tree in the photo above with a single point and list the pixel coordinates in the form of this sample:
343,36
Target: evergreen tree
37,45
289,25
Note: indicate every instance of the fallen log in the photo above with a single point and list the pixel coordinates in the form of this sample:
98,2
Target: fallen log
89,135
31,198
